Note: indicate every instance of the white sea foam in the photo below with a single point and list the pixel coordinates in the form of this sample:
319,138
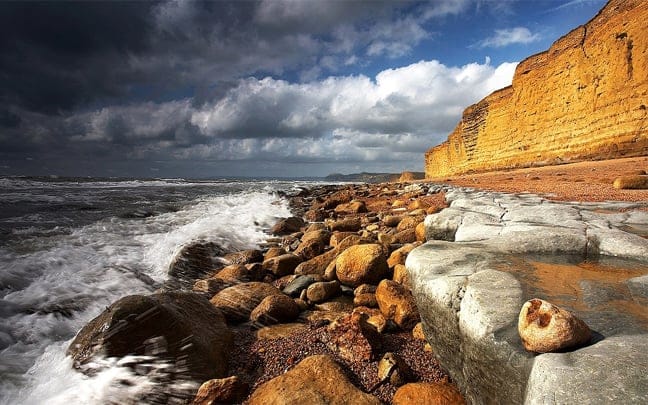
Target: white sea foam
50,292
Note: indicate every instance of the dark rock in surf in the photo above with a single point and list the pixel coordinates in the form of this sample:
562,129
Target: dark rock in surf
183,329
194,261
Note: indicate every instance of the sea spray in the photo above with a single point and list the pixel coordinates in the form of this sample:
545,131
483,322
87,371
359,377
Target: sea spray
70,248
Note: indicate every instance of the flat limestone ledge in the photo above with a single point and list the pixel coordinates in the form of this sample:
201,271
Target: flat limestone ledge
469,308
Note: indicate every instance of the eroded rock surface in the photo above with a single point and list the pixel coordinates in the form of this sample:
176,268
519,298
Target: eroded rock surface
468,285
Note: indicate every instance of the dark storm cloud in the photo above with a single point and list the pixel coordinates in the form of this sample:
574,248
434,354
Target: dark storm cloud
56,56
225,81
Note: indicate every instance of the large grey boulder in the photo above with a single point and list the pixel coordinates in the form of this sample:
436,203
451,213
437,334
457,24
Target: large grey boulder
472,276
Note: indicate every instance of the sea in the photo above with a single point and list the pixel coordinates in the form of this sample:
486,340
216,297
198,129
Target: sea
69,247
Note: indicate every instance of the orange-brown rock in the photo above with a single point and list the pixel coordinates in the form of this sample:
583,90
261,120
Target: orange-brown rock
238,301
277,308
282,265
274,252
420,232
361,264
346,225
244,257
401,276
228,390
544,327
429,394
313,244
409,222
287,226
318,264
353,338
397,303
417,332
338,237
585,98
636,182
234,272
316,380
399,255
353,207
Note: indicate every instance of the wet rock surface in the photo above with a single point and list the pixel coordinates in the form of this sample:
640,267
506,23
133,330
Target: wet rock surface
489,252
284,303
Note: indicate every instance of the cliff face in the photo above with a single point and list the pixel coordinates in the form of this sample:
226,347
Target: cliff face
584,98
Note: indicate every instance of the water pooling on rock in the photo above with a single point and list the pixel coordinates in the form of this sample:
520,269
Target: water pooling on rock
469,306
597,290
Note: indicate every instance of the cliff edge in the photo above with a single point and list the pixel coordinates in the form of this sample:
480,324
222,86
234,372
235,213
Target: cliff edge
584,98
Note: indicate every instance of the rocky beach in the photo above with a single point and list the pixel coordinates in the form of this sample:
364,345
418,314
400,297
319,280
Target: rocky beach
328,308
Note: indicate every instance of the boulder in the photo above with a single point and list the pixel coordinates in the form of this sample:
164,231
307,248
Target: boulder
234,273
315,215
278,308
397,303
295,287
361,264
280,331
544,327
194,260
353,207
316,380
365,300
313,244
322,291
418,204
181,328
637,182
274,252
401,276
364,288
399,255
318,264
392,220
228,390
338,237
406,236
353,338
419,231
282,265
346,225
244,257
409,222
317,226
238,301
287,226
428,393
375,318
393,369
352,241
210,286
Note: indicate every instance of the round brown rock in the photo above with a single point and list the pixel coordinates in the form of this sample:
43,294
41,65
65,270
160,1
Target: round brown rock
238,301
397,303
228,390
316,380
322,291
429,394
545,327
361,264
275,309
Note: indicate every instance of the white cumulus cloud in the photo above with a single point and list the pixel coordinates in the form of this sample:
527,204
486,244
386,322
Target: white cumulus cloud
509,36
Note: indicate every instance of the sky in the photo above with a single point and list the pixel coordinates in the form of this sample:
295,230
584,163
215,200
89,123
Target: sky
270,88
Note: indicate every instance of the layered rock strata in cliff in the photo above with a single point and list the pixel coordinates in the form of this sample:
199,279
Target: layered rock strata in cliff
584,98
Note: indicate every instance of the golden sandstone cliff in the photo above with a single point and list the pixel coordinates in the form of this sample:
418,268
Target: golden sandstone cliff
584,98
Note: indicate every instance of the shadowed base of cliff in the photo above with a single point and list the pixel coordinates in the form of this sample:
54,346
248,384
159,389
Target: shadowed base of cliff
489,252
